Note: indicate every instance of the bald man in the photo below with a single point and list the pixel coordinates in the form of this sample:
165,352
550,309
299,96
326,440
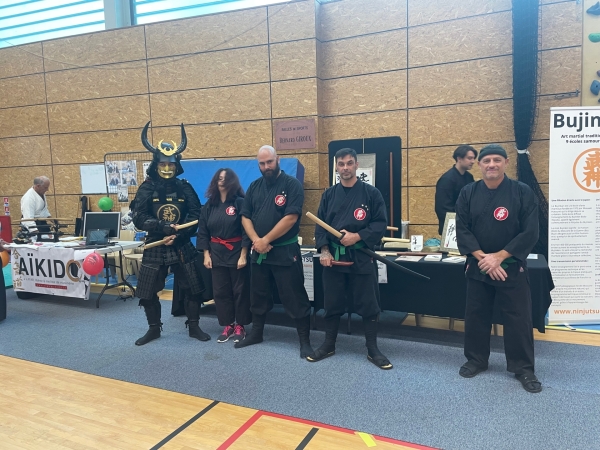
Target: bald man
271,218
34,204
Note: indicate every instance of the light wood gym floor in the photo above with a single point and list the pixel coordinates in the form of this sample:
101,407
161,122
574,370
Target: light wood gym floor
45,407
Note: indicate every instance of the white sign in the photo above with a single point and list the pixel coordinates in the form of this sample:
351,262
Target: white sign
381,272
309,284
416,243
49,270
574,215
93,180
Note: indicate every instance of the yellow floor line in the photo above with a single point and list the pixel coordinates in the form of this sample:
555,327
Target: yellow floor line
367,438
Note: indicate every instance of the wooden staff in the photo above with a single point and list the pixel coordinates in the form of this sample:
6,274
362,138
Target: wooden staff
392,229
164,241
371,253
387,239
392,192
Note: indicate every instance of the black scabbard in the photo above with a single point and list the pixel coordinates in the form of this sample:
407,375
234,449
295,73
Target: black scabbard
392,264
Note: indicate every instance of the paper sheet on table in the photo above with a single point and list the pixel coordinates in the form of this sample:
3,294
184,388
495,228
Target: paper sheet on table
454,259
532,256
409,258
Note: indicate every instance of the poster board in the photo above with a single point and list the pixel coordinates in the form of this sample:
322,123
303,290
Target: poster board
574,215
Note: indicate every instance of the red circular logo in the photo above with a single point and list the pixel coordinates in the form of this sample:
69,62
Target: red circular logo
230,211
501,213
360,214
280,200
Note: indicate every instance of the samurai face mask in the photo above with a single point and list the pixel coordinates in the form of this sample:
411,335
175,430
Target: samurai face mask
166,157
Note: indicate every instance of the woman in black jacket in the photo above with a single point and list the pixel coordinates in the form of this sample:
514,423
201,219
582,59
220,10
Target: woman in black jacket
225,245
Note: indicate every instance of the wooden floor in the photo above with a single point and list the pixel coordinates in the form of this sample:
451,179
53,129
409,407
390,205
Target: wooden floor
45,407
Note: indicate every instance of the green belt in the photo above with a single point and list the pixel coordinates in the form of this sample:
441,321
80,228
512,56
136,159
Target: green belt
262,256
341,250
504,265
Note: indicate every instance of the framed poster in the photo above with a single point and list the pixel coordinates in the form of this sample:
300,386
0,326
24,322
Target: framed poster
449,243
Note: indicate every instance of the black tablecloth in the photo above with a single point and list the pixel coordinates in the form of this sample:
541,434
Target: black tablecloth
445,294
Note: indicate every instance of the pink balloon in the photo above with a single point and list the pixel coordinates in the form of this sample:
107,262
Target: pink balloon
93,264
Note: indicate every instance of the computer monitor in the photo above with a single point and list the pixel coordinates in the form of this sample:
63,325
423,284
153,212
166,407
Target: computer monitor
102,220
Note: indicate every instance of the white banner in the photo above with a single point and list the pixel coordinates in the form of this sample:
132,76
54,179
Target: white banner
309,283
50,270
574,215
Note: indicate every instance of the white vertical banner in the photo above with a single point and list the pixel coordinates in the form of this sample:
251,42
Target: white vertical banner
309,284
574,215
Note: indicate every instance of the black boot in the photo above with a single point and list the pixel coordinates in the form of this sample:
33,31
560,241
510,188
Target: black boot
192,310
373,353
303,328
155,326
256,333
327,349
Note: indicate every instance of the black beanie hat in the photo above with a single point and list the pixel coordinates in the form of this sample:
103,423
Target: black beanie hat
492,149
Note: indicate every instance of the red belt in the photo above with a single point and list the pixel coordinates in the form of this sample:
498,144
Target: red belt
226,242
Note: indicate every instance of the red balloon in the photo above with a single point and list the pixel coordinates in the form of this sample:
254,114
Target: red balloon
93,264
5,258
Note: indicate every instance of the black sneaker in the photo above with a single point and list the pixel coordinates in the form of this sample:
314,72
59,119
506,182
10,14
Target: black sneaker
226,334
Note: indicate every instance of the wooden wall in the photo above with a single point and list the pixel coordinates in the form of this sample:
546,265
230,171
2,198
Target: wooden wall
437,73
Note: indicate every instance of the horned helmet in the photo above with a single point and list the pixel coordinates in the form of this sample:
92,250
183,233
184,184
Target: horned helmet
167,156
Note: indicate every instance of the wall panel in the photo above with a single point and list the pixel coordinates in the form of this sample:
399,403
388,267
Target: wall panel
292,21
112,80
290,60
37,149
125,44
365,93
457,40
461,82
227,104
355,17
204,70
422,12
23,121
205,33
103,114
21,60
22,91
364,54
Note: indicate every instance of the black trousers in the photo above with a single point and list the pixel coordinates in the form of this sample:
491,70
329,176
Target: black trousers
155,275
514,301
289,282
231,290
358,293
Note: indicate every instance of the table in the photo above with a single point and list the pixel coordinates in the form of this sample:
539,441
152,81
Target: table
56,268
445,294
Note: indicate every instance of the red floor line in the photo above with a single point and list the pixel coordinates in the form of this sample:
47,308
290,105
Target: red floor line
405,444
234,437
346,430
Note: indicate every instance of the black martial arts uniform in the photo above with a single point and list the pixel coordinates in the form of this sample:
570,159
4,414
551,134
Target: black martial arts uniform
220,231
281,268
489,220
158,204
447,189
357,209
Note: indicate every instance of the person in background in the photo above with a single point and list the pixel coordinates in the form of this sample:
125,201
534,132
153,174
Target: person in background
34,205
449,185
225,245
